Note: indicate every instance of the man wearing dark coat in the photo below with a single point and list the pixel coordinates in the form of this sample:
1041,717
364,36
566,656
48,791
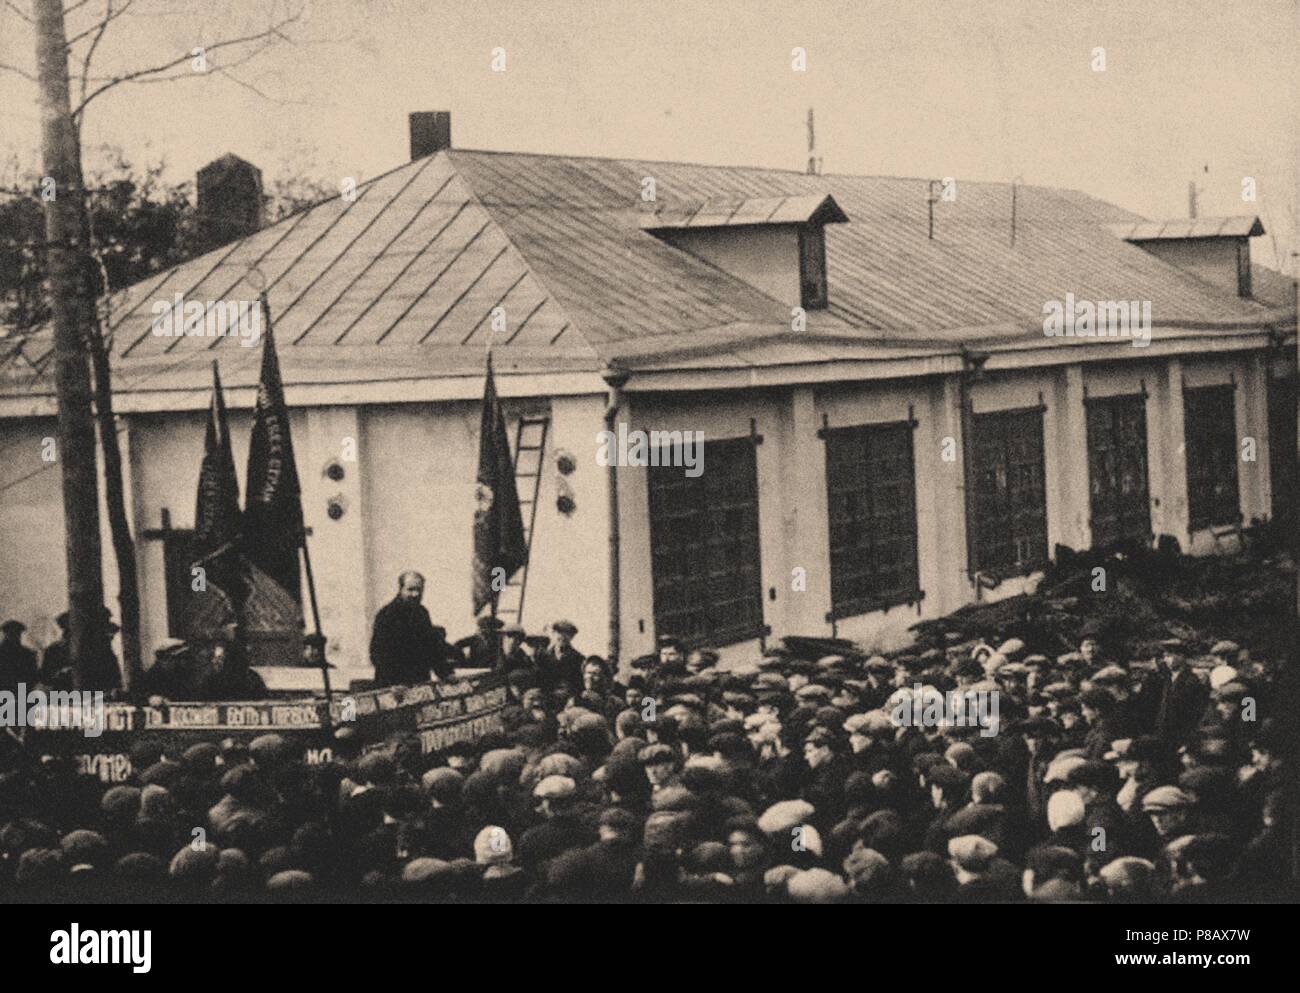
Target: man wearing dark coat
56,664
17,661
405,644
481,650
1182,698
559,664
104,672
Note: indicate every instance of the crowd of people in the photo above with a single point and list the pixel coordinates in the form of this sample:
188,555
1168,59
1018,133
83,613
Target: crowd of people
786,778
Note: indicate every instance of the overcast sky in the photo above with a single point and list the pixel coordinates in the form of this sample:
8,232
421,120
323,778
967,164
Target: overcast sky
924,88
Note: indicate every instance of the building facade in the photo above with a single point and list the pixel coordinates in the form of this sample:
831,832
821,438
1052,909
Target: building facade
888,431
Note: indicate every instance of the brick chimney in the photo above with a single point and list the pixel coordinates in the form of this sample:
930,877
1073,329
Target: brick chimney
430,132
230,200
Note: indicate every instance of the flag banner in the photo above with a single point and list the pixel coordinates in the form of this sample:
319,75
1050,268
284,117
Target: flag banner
499,549
217,578
273,524
438,713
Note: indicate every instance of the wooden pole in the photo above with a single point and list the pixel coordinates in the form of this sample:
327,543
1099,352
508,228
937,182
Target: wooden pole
72,307
496,637
615,379
320,638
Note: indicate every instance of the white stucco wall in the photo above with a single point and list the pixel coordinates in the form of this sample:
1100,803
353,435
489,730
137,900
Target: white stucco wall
409,497
764,257
33,575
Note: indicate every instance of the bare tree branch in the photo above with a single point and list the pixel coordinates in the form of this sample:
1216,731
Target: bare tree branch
18,10
153,74
98,29
6,67
90,52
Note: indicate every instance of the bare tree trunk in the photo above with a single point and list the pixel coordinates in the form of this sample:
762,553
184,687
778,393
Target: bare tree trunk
114,495
72,312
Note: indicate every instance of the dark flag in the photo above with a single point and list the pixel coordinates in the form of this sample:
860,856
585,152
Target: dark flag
498,524
273,526
215,546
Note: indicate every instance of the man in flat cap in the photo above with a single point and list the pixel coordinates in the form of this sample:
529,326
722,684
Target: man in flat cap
230,676
1101,712
56,663
1170,810
17,661
172,674
1182,695
560,828
516,654
481,650
559,664
670,666
405,644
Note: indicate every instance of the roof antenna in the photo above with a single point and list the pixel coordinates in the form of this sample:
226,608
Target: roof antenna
930,200
814,164
1014,181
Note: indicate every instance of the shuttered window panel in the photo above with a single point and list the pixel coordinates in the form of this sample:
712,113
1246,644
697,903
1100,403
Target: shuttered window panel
1118,495
1210,428
871,497
1010,504
705,559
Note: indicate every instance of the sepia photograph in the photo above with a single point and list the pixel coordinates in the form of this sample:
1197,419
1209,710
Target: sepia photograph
650,453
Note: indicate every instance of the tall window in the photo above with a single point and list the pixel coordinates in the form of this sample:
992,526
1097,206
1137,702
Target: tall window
704,547
177,559
1118,498
1210,430
1010,505
871,497
812,267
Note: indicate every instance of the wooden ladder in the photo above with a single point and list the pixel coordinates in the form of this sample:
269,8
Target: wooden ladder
530,449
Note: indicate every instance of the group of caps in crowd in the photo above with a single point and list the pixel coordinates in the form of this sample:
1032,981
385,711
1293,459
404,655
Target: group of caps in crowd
778,778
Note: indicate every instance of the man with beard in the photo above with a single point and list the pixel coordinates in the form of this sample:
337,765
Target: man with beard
405,644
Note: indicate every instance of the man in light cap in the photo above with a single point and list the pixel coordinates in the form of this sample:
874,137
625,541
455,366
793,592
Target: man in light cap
1065,816
1169,809
492,846
1128,879
816,886
982,877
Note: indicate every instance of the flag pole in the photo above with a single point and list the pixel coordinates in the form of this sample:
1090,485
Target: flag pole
318,637
496,594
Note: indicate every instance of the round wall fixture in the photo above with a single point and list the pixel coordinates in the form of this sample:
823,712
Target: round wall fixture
565,463
336,506
564,501
334,470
